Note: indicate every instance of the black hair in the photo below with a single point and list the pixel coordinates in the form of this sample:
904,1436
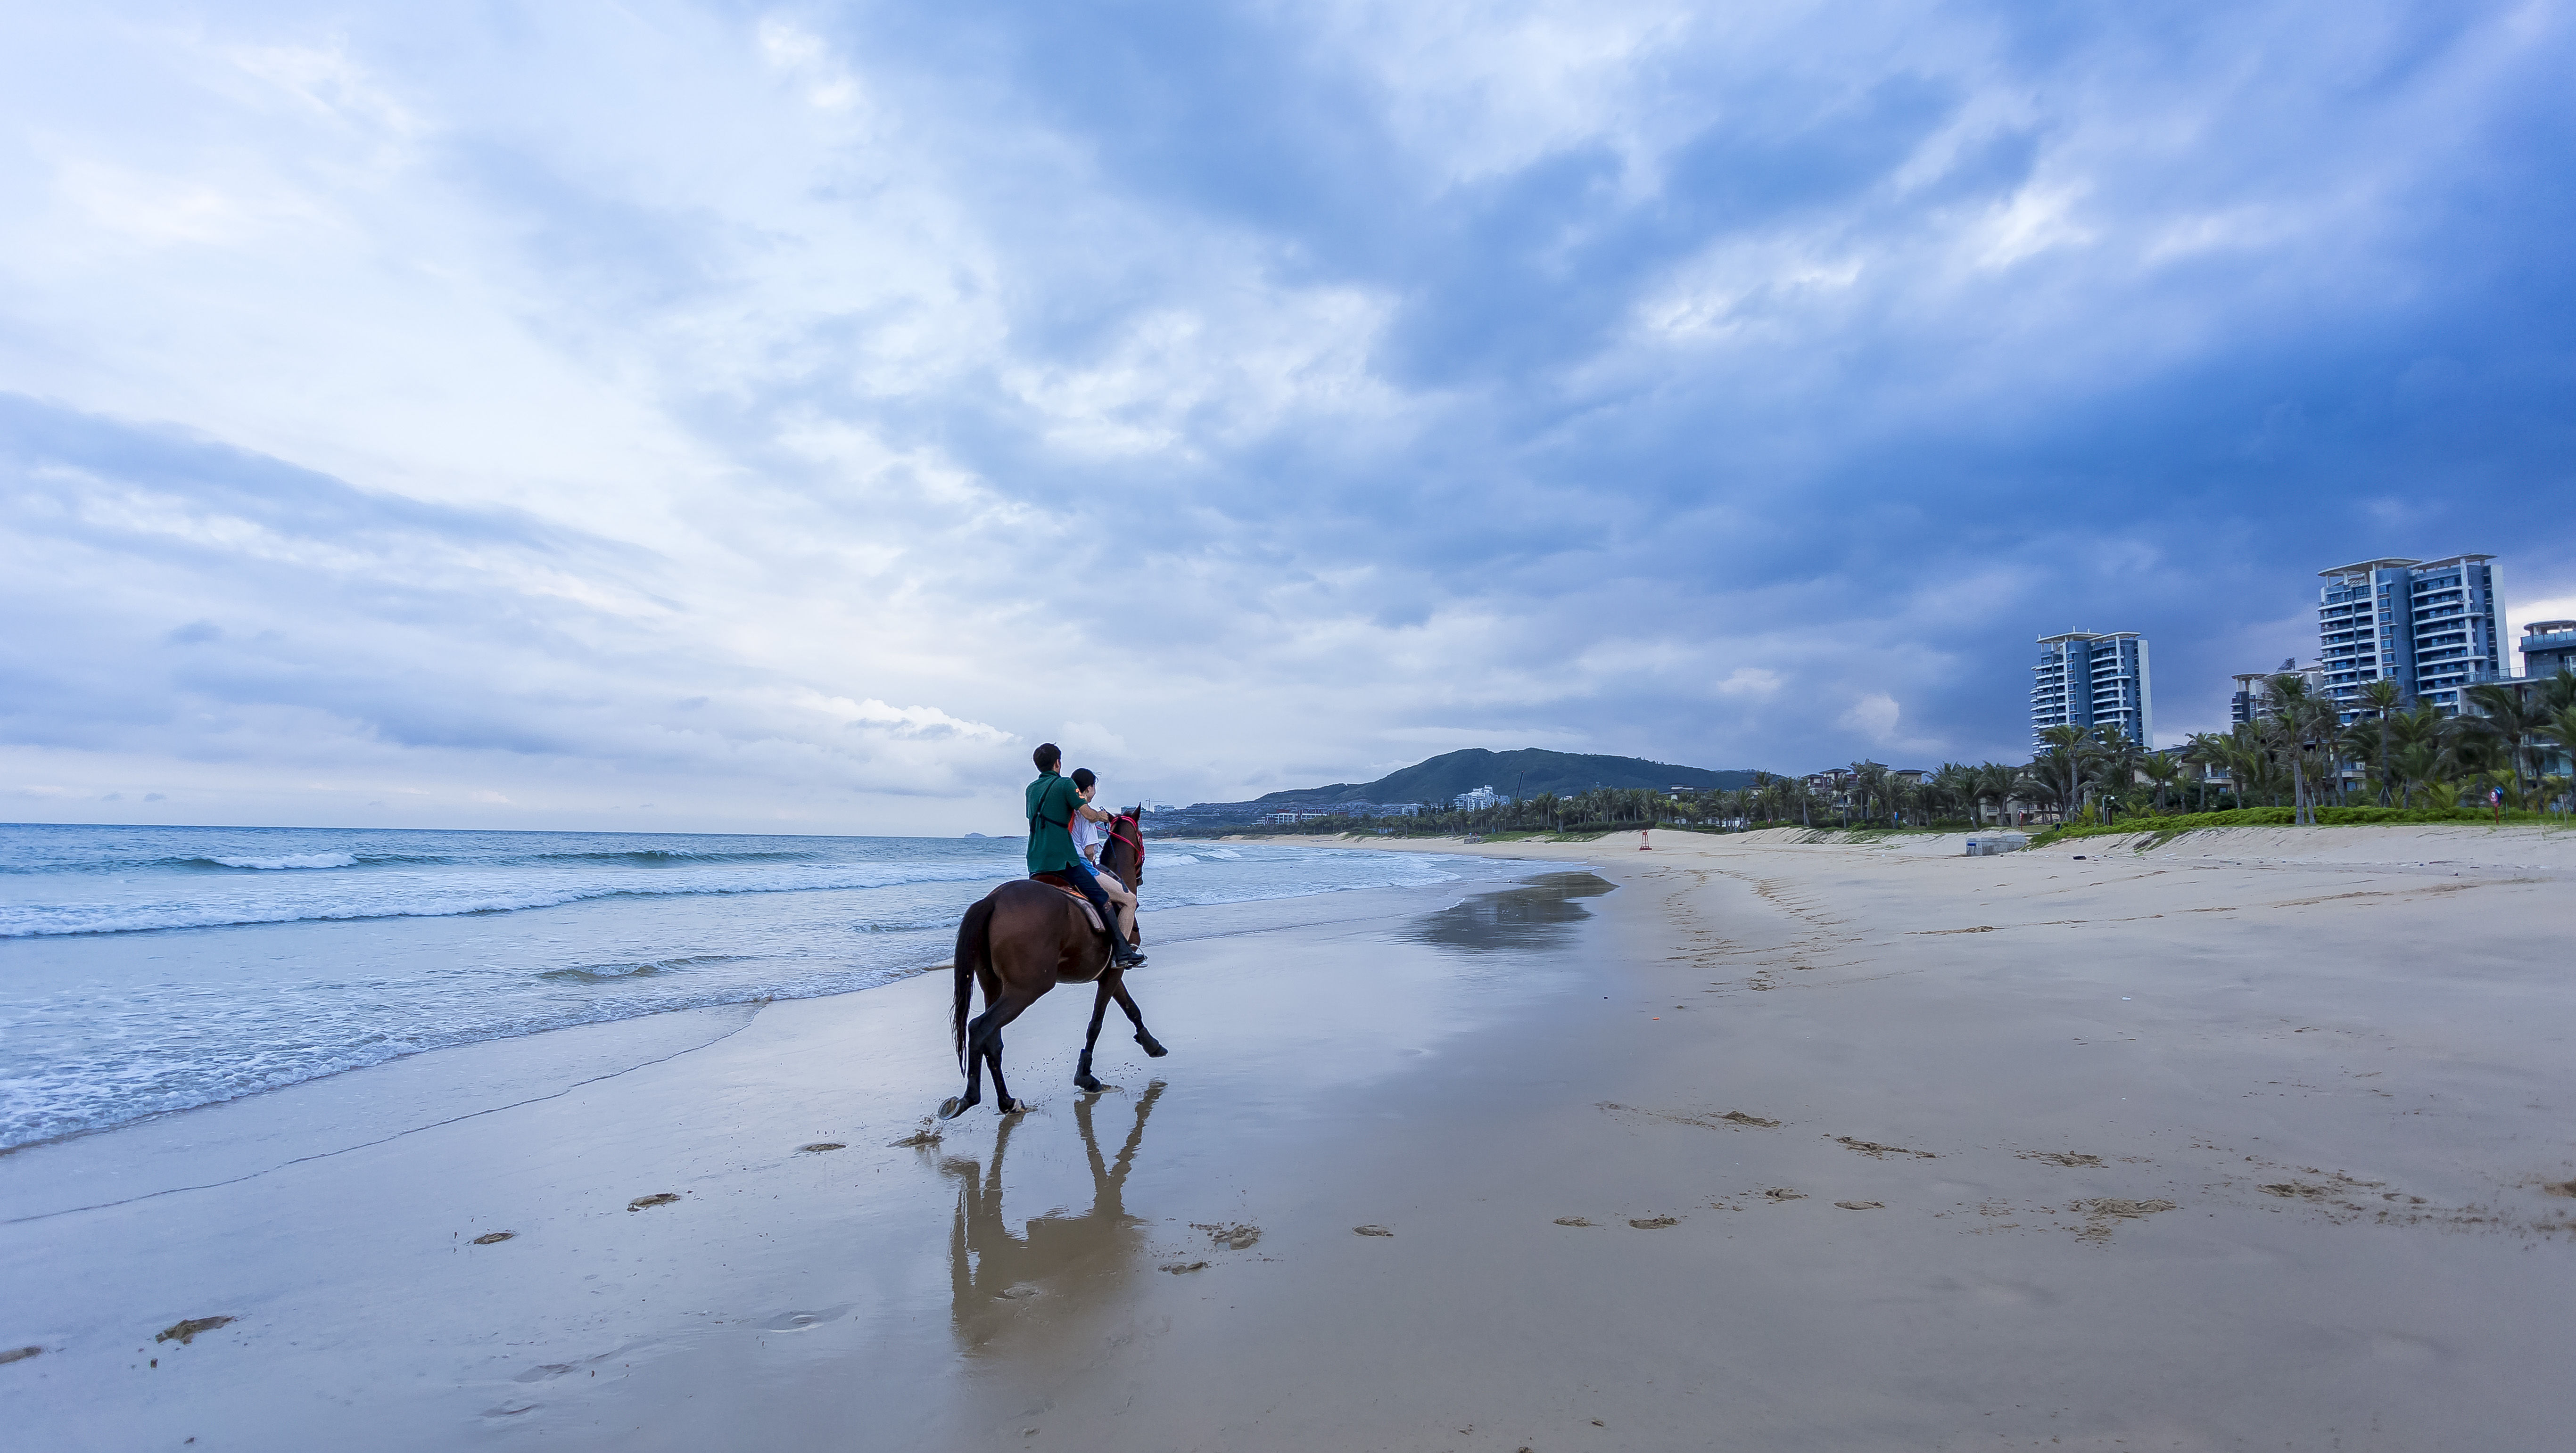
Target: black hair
1082,778
1046,756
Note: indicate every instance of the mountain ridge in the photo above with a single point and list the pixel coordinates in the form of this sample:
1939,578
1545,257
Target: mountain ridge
1527,772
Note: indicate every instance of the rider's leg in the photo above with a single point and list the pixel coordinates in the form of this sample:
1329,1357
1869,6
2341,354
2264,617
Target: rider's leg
1091,889
1126,902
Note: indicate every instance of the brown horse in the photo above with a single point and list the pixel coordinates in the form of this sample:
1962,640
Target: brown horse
1023,939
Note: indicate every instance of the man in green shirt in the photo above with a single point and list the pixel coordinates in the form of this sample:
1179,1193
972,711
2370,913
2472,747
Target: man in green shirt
1052,802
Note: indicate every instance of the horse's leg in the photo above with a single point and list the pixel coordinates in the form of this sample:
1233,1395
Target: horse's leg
990,979
991,1040
1099,1010
1144,1036
974,1069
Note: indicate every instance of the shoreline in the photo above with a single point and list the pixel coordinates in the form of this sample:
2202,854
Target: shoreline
592,962
1869,1148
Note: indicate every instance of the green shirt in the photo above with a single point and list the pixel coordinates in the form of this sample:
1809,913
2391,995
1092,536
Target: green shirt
1052,802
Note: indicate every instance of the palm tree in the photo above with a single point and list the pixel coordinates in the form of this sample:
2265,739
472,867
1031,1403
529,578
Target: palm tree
2163,769
2560,725
2507,716
2207,750
2070,749
2121,756
2381,698
2296,720
1869,782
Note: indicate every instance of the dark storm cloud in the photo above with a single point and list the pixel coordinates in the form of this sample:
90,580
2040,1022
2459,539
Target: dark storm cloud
1743,386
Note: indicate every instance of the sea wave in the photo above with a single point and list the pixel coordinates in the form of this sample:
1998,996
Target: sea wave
662,857
112,864
616,973
421,895
300,860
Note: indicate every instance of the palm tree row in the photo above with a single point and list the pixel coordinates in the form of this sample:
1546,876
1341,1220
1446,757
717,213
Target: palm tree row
2298,753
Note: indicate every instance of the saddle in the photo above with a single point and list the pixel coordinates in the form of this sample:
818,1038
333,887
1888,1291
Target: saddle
1057,881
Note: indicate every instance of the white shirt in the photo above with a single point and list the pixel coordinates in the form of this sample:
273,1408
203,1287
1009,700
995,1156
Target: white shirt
1086,834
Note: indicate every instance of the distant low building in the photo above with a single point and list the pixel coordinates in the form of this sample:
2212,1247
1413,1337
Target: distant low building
1476,800
2548,647
2247,704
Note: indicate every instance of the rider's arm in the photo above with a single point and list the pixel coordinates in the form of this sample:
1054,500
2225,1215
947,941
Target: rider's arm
1094,813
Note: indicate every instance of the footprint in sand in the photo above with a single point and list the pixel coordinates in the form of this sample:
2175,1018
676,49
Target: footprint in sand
2068,1158
186,1332
1783,1193
661,1199
819,1146
16,1354
2559,1188
2108,1212
1876,1151
493,1238
1372,1231
1239,1238
1572,1221
799,1321
916,1138
1862,1205
1654,1223
1177,1268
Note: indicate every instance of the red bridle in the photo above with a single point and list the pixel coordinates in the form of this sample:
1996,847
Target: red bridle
1123,820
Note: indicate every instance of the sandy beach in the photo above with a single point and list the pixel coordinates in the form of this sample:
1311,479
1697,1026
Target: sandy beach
2256,1139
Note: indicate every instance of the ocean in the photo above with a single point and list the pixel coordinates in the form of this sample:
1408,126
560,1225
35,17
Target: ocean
150,969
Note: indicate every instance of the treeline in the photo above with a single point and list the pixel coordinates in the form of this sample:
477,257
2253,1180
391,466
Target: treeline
2298,754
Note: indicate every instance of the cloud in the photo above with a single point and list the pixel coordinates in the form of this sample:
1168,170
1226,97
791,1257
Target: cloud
794,412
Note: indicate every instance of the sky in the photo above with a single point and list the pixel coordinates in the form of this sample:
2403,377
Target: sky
711,417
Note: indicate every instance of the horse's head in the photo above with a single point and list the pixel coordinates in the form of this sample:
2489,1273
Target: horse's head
1125,853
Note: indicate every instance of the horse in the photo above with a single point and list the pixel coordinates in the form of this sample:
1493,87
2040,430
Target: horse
1023,939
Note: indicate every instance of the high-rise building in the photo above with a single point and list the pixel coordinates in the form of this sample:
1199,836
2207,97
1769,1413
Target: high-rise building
2430,626
2089,680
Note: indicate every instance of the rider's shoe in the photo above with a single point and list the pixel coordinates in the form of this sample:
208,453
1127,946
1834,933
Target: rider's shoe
1124,954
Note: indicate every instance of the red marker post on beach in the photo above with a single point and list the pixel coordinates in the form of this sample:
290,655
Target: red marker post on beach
1641,844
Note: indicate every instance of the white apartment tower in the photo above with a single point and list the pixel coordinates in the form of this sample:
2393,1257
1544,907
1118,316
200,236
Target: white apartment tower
2089,680
2430,626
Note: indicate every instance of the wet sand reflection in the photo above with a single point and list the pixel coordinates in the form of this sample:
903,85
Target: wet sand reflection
1072,1260
1538,914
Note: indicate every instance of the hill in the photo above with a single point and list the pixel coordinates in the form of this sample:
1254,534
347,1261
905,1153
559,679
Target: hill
1526,773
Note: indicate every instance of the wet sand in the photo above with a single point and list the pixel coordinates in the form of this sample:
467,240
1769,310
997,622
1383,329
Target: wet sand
2234,1143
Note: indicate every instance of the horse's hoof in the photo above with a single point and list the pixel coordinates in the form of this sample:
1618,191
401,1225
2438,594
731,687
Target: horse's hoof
1016,1107
1153,1047
1086,1084
951,1108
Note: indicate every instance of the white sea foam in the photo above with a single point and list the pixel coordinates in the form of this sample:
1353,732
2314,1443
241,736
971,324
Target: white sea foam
385,894
302,860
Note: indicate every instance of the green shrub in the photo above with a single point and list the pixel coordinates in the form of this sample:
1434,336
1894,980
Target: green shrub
2166,828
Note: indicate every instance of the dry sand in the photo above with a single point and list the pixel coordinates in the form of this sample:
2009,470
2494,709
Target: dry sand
2258,1139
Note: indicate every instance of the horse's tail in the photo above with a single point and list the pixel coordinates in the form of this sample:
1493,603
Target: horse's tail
974,940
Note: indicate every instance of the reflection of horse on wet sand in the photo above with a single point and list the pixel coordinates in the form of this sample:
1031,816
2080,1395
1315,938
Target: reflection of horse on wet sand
1025,938
988,1266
